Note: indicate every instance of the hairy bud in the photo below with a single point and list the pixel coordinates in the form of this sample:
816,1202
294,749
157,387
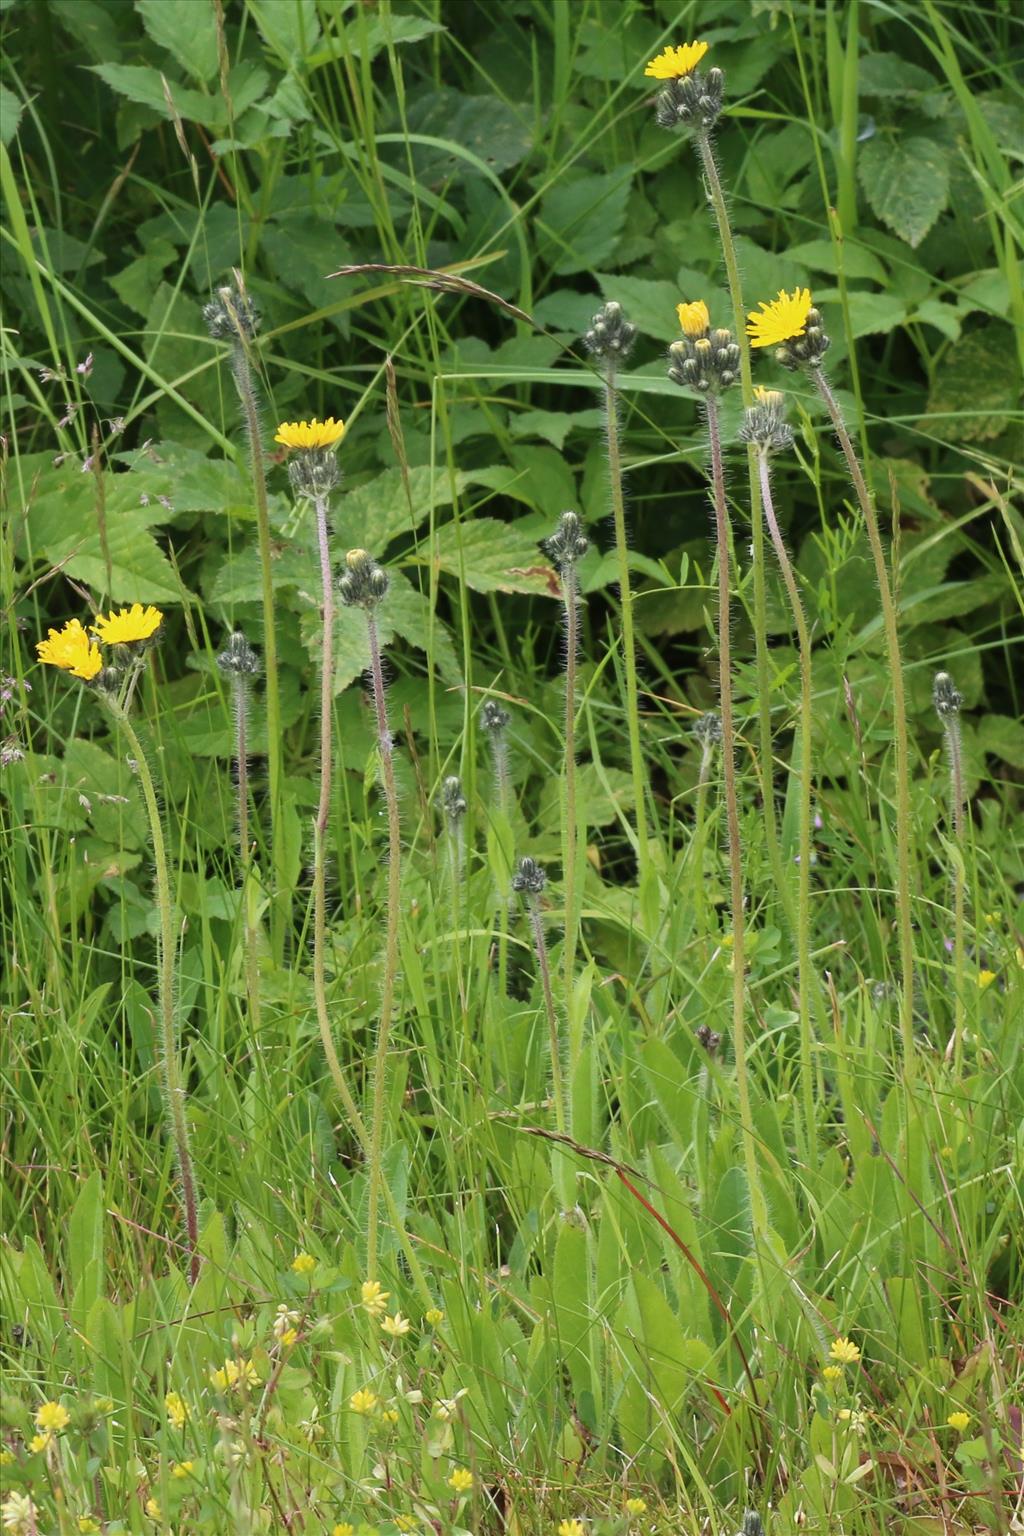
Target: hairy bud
808,350
453,801
692,103
363,583
529,878
946,696
238,657
610,333
231,315
314,472
568,543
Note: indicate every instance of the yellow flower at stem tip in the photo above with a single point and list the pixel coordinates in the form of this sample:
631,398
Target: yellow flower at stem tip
51,1418
303,1264
782,320
182,1469
571,1528
985,979
374,1299
128,625
310,434
344,1528
71,649
833,1373
694,318
434,1317
674,63
363,1401
395,1326
461,1480
177,1409
844,1351
636,1506
39,1443
958,1420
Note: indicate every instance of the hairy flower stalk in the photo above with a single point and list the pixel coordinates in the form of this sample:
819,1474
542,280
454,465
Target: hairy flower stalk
453,805
364,584
232,316
240,664
494,720
567,546
765,430
947,700
708,731
313,474
529,881
609,340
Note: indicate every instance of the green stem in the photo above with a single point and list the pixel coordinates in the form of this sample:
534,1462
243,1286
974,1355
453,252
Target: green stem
280,902
954,747
626,601
240,689
899,711
171,1079
390,944
807,981
716,198
570,596
320,826
554,1044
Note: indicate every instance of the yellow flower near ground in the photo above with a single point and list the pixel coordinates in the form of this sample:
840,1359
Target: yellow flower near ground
395,1326
51,1418
344,1528
782,320
636,1506
39,1443
235,1373
183,1469
373,1298
844,1351
363,1401
958,1420
153,1510
673,63
310,434
177,1409
985,979
434,1317
833,1373
694,318
71,649
87,1525
303,1263
128,625
571,1528
461,1480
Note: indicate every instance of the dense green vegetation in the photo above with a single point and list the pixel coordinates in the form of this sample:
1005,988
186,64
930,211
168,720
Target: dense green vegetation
520,1205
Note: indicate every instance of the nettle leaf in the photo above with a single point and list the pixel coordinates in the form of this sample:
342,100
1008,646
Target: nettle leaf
582,219
494,557
555,426
140,83
906,181
372,514
1003,737
186,30
820,256
289,27
974,385
10,114
649,303
887,74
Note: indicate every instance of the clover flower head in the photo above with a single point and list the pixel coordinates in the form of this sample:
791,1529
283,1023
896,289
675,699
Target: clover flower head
373,1298
51,1418
38,1443
843,1351
303,1263
364,1401
183,1469
958,1420
128,626
636,1506
571,1528
433,1317
235,1375
71,649
832,1373
673,63
177,1409
395,1327
985,980
18,1514
461,1480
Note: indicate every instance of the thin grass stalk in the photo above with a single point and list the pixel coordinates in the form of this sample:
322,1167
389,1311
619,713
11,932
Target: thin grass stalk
170,1066
390,943
899,710
807,980
636,762
947,700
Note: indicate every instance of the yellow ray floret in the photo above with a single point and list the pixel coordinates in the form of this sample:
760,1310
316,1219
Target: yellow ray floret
781,320
71,649
673,63
128,625
694,318
310,434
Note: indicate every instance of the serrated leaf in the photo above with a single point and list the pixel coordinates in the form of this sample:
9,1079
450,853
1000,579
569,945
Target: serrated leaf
820,256
906,181
140,83
581,219
289,27
889,74
376,512
10,114
490,556
649,304
187,29
1003,737
874,313
974,384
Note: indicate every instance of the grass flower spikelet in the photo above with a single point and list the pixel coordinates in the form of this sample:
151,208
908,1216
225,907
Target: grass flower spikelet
673,63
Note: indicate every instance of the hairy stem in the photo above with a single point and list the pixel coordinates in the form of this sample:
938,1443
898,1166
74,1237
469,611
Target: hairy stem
954,747
390,944
899,711
240,690
807,981
636,761
570,596
170,1074
554,1044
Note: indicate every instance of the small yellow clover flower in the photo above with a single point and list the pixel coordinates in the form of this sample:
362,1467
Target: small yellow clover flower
844,1351
71,649
363,1401
128,625
636,1506
310,434
51,1418
958,1420
783,319
303,1264
694,319
373,1298
461,1480
674,63
396,1327
177,1409
985,980
833,1373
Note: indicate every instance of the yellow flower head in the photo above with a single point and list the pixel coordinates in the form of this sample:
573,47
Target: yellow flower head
406,1522
461,1480
636,1506
51,1418
833,1373
71,649
182,1469
772,398
177,1409
782,320
39,1443
434,1317
694,319
303,1264
373,1298
363,1401
395,1326
985,979
87,1525
235,1373
844,1351
310,434
958,1421
673,63
153,1510
344,1528
128,625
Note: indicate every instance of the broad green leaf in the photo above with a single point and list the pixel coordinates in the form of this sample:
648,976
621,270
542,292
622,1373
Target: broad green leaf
873,313
10,114
820,256
135,283
494,557
1003,737
906,181
555,426
141,83
975,386
649,304
372,514
187,29
889,74
290,28
602,797
85,1246
581,218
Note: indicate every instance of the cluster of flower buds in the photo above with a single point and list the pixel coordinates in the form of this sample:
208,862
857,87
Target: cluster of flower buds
808,349
363,583
453,801
693,103
493,717
568,543
752,1525
703,359
529,878
763,422
231,315
610,334
946,696
238,659
314,473
708,730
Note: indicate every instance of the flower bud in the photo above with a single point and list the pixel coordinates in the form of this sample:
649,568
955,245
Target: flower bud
231,315
493,718
453,801
610,333
238,657
568,543
529,878
363,583
946,696
314,473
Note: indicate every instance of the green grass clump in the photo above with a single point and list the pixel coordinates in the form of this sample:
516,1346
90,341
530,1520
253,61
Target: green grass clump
519,1032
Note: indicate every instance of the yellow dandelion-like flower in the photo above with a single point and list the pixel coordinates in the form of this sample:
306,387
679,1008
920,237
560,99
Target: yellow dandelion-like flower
833,1373
71,649
177,1409
363,1401
52,1417
310,434
395,1326
694,318
153,1510
958,1420
636,1506
344,1528
183,1469
985,980
87,1525
238,1374
772,398
128,625
373,1298
781,320
38,1443
844,1351
673,63
7,1457
461,1480
433,1317
303,1264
